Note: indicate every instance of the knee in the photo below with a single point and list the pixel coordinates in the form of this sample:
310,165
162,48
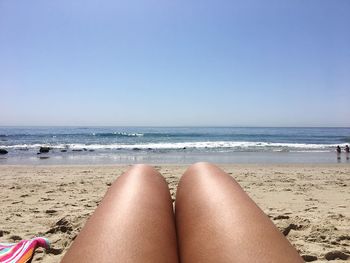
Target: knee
142,172
200,168
198,171
141,167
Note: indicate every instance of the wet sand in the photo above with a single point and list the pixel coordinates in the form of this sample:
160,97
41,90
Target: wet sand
308,203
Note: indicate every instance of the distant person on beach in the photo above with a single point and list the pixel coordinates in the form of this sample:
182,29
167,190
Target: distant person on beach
338,149
347,151
214,221
338,152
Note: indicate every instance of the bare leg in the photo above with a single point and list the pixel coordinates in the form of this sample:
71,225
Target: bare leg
217,222
133,223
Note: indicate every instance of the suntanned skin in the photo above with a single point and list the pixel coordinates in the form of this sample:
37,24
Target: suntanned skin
134,223
218,222
215,221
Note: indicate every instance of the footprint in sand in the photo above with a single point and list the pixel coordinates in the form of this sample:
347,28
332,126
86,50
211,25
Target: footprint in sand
336,255
54,251
15,238
343,238
4,232
281,217
50,211
291,227
309,258
63,225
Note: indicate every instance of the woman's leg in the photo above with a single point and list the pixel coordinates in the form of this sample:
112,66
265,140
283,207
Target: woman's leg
134,223
217,222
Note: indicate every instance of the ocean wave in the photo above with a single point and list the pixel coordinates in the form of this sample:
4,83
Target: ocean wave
182,135
74,135
95,135
118,134
234,145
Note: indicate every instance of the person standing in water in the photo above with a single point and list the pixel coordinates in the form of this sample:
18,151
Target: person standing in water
347,152
338,152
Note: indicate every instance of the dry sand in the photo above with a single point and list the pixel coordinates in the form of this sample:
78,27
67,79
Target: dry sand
308,203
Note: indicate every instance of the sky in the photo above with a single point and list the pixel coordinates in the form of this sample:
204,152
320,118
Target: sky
175,62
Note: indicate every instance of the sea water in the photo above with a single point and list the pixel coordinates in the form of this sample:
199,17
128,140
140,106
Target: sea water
84,145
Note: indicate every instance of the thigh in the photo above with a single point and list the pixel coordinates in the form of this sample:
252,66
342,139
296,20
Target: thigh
217,222
133,223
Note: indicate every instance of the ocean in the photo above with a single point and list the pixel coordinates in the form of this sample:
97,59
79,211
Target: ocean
108,145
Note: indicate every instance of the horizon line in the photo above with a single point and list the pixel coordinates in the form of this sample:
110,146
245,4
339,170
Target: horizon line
171,126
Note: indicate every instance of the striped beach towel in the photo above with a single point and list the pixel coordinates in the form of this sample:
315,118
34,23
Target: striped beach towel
21,252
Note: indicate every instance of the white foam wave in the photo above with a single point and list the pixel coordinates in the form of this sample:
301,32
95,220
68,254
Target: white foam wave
241,145
31,146
119,134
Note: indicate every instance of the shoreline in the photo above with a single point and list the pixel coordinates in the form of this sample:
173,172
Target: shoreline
313,199
182,158
185,165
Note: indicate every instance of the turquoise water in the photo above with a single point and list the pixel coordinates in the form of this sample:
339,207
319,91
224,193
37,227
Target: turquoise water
171,144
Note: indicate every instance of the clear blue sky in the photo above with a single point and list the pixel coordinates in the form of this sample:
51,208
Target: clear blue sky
181,62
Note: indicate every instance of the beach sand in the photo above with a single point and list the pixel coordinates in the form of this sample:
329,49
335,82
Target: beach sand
310,204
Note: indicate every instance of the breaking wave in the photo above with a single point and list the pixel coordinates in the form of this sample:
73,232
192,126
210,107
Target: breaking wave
229,145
